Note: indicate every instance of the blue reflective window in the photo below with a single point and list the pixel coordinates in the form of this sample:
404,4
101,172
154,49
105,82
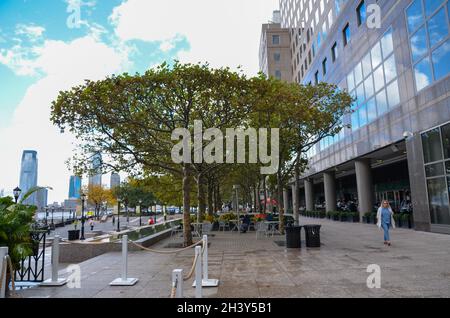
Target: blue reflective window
361,13
390,70
393,94
387,45
378,78
422,72
419,44
371,110
362,111
355,120
360,94
368,85
414,16
346,33
382,104
431,6
441,60
437,27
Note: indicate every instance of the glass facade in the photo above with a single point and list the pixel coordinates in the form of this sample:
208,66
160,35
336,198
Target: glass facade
436,154
74,187
373,82
29,175
428,28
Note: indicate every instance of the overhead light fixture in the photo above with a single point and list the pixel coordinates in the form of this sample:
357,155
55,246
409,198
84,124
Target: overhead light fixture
395,148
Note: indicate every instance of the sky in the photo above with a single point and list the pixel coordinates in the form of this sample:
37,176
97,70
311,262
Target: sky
47,46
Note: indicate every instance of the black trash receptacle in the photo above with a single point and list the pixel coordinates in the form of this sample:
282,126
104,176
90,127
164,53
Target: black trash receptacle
312,235
293,239
74,235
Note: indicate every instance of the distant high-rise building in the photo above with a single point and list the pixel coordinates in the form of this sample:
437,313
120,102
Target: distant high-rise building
96,166
115,180
29,175
2,193
74,187
42,198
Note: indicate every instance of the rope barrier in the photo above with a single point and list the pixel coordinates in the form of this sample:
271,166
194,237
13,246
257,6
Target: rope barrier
166,252
189,276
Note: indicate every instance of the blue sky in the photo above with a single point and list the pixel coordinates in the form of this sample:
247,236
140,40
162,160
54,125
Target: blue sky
42,54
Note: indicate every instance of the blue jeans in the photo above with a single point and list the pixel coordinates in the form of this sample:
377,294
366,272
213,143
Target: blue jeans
385,227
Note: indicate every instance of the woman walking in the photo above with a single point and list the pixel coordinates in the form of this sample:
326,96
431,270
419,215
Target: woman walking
385,219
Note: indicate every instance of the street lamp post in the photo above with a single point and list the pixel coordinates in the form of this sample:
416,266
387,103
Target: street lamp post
118,214
17,192
140,213
83,198
236,187
126,210
62,216
46,215
53,211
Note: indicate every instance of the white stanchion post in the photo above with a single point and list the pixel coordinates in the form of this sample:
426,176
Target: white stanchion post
124,280
177,280
206,282
198,272
55,281
3,253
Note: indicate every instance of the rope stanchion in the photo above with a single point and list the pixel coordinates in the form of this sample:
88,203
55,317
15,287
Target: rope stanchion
191,272
124,280
3,270
198,272
177,284
206,281
55,281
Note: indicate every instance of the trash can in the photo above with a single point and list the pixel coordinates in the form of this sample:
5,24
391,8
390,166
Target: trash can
74,235
312,235
293,239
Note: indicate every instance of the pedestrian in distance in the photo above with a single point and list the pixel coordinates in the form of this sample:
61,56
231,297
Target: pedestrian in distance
91,224
385,220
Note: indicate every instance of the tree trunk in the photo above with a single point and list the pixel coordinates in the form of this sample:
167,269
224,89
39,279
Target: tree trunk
279,203
296,200
210,198
187,235
200,198
219,198
258,199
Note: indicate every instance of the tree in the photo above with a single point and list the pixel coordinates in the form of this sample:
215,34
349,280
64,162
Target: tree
97,195
135,190
131,118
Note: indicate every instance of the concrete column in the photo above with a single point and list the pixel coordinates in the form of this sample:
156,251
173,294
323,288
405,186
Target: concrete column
309,194
364,186
285,200
294,199
330,191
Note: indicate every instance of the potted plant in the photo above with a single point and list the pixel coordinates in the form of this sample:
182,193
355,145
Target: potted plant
373,218
16,222
336,216
405,220
397,219
343,216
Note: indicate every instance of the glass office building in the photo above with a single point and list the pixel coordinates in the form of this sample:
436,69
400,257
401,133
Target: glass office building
395,147
29,175
74,187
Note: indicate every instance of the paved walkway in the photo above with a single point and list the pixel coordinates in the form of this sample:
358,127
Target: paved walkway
417,265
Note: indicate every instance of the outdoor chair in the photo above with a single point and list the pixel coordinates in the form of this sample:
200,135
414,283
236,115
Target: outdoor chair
262,227
175,230
251,226
223,225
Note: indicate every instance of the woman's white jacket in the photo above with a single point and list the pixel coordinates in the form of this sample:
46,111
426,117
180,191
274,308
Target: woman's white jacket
379,217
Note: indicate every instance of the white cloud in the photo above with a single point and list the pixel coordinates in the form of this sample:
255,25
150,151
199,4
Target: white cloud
64,65
32,32
223,33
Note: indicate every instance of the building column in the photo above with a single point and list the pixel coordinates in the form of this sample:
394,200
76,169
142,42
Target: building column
285,201
329,184
364,186
309,194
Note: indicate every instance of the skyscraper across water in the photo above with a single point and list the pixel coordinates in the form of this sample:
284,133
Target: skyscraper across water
29,175
96,166
115,180
74,187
